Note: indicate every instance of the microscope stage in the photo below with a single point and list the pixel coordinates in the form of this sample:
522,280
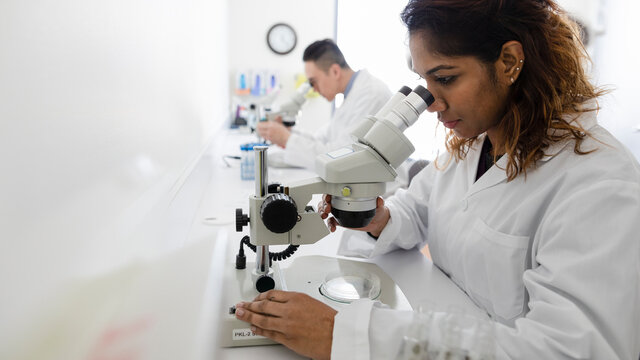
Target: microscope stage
305,274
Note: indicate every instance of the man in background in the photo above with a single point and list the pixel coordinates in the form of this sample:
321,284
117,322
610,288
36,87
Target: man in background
329,75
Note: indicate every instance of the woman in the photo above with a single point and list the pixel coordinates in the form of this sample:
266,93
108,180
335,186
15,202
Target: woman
534,210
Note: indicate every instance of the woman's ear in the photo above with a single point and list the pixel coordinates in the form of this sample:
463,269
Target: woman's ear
510,62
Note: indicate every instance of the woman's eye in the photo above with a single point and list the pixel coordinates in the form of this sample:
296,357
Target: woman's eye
444,80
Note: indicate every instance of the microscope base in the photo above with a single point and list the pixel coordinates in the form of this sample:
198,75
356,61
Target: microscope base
239,287
305,274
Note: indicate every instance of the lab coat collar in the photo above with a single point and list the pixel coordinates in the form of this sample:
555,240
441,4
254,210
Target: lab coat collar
586,121
493,176
497,173
473,157
350,84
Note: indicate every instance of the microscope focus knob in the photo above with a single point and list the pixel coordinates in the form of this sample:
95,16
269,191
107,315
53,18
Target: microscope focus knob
279,213
241,220
265,283
274,188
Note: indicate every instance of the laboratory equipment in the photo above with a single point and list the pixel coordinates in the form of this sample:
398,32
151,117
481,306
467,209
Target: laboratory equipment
450,334
256,114
289,110
355,176
346,286
247,165
242,86
247,160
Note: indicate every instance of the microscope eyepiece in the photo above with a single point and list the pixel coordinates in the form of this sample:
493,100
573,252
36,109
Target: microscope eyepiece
405,90
380,147
424,94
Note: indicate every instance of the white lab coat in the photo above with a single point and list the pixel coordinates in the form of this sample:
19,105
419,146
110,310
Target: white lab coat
367,95
553,257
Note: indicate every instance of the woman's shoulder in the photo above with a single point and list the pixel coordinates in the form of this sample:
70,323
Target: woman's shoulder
599,157
609,154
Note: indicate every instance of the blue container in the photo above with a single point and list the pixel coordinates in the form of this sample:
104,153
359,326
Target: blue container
248,161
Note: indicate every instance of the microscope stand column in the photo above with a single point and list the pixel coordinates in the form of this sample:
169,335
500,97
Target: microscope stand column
263,273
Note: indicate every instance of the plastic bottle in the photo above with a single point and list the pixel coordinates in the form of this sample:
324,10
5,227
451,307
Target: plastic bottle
247,162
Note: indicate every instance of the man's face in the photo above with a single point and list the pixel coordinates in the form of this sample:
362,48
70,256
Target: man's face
324,83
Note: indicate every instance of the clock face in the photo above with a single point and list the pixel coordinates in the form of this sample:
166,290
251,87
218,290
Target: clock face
281,38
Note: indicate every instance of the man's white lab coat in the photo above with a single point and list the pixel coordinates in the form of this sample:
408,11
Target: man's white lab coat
366,96
553,257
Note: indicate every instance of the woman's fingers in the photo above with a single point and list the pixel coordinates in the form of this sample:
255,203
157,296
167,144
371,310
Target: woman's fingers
295,320
324,206
332,224
271,334
321,209
265,310
264,307
263,314
274,295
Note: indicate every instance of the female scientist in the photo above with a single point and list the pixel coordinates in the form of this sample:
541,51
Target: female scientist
534,210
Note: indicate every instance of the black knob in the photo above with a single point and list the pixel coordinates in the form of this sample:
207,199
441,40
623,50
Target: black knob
274,188
241,220
279,213
265,283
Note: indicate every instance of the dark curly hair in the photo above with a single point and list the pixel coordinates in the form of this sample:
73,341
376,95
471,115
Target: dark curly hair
553,83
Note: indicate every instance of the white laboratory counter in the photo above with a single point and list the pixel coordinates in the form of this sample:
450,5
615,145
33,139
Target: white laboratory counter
419,279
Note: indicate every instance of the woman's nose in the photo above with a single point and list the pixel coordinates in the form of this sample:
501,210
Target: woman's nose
437,105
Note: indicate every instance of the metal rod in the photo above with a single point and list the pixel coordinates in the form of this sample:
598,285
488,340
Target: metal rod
261,170
262,251
262,259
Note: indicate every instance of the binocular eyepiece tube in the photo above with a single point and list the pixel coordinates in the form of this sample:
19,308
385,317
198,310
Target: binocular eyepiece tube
385,138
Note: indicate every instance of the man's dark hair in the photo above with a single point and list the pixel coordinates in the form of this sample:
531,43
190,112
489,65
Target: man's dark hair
325,53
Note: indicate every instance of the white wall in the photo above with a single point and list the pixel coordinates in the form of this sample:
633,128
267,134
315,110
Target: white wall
105,107
616,67
249,22
377,40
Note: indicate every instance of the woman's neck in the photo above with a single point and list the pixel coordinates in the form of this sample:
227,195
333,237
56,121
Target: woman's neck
496,141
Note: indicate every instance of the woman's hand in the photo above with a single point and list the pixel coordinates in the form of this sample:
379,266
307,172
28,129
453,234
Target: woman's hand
296,320
376,225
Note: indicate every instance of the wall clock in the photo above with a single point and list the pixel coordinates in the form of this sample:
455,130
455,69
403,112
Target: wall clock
281,38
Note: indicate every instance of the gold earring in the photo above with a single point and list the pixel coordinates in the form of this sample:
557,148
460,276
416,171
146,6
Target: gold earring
512,80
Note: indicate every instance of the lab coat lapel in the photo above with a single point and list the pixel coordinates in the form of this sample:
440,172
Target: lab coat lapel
471,166
495,175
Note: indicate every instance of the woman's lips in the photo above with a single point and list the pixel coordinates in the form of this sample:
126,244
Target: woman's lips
450,124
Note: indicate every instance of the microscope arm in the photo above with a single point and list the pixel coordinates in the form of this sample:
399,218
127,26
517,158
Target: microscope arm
289,109
309,227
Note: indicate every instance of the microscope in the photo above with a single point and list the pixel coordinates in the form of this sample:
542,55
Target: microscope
289,110
355,176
